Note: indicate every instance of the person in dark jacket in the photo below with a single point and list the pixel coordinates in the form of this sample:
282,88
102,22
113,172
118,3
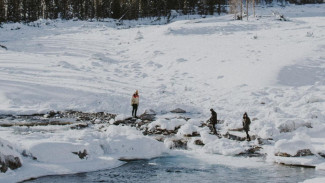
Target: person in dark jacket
246,123
213,121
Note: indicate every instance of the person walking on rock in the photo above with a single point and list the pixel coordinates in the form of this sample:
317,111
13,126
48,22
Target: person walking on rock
135,103
246,123
213,121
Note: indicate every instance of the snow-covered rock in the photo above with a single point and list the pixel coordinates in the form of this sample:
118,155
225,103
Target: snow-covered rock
9,157
299,145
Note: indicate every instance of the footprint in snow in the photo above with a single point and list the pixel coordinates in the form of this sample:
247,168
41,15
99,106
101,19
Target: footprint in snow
181,60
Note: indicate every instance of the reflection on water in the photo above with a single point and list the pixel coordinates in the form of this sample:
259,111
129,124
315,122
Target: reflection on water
185,169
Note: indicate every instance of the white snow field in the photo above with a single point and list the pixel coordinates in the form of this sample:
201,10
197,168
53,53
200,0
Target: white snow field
273,70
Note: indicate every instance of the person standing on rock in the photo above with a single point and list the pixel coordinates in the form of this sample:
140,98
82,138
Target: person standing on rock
135,103
213,121
246,123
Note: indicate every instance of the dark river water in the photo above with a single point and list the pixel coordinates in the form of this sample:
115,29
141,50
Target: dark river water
186,169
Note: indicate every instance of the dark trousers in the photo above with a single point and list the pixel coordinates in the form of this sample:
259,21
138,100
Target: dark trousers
134,110
214,130
247,136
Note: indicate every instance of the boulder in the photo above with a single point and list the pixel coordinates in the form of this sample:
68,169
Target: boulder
178,110
199,142
304,152
9,161
149,117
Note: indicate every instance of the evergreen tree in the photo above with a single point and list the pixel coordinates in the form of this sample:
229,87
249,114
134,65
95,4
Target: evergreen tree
211,6
13,10
2,11
116,9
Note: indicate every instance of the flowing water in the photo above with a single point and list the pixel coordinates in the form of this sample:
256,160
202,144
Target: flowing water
186,169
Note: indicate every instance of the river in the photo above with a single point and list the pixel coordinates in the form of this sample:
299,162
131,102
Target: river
186,169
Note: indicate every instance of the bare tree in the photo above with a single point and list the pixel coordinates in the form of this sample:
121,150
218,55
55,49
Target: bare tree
247,9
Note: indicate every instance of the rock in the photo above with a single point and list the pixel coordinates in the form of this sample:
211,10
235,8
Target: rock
321,154
292,125
236,129
252,152
180,144
125,121
234,137
194,134
9,161
176,143
300,153
304,152
150,111
178,110
199,142
264,141
160,138
149,117
81,155
79,126
282,154
51,114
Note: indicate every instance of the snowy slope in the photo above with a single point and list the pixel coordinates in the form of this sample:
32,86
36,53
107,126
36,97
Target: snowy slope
272,69
195,63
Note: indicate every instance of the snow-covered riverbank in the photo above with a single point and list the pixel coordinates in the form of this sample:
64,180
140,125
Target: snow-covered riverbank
272,69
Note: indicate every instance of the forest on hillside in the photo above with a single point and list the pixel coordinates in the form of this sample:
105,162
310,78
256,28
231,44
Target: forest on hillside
31,10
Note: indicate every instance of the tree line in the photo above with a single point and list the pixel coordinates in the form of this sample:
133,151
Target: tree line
31,10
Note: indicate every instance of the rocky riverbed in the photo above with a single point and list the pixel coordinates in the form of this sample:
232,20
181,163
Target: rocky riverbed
175,129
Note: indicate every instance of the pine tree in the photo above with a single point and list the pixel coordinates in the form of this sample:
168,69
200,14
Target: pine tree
13,11
201,8
2,11
116,9
211,6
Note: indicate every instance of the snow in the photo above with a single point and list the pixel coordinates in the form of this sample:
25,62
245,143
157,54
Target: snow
166,124
187,129
54,149
292,146
271,69
224,147
315,180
